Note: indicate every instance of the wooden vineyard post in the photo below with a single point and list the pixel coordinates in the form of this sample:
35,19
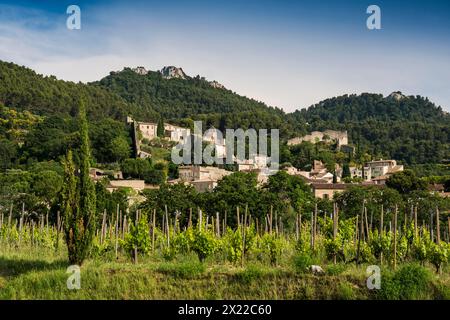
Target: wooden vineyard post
175,223
300,225
270,219
32,233
367,224
312,231
190,218
218,224
167,226
124,226
395,237
276,223
153,229
21,222
58,222
135,251
448,220
9,222
438,227
116,229
225,223
296,228
316,212
245,220
381,231
335,227
1,225
415,222
237,214
102,233
120,224
361,231
244,229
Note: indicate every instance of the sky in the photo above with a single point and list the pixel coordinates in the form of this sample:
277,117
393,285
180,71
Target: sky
289,54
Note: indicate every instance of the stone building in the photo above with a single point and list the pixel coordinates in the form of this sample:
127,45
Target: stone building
340,137
201,178
328,190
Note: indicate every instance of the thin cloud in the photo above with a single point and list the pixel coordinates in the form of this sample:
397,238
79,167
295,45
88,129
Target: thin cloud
291,69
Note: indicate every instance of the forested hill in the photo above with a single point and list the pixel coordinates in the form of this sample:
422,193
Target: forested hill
24,90
193,98
408,128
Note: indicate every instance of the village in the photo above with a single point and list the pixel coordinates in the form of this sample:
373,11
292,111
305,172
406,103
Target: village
323,182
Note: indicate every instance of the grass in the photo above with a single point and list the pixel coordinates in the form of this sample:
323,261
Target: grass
41,274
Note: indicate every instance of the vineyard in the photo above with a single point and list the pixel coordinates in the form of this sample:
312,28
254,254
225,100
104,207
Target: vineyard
204,247
237,242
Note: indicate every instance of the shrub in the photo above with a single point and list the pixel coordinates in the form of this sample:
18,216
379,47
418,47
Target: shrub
380,244
365,253
334,270
332,247
203,243
438,255
179,243
272,246
138,237
411,281
234,243
302,262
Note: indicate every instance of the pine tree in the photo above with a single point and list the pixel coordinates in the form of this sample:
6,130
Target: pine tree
78,194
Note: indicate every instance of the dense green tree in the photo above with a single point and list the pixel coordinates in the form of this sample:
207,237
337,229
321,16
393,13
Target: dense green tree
177,197
47,184
405,182
78,198
8,152
120,148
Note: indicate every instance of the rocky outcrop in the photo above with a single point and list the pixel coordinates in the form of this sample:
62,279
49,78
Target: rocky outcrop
216,85
172,72
397,95
140,70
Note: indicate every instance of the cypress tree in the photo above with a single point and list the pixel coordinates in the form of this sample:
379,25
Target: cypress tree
346,171
160,129
78,194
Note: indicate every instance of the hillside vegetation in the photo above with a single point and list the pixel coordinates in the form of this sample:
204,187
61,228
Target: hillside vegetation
410,129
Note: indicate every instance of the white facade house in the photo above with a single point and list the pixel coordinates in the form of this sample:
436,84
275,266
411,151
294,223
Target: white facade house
378,171
149,131
176,133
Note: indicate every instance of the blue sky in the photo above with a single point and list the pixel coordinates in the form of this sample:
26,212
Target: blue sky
289,54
